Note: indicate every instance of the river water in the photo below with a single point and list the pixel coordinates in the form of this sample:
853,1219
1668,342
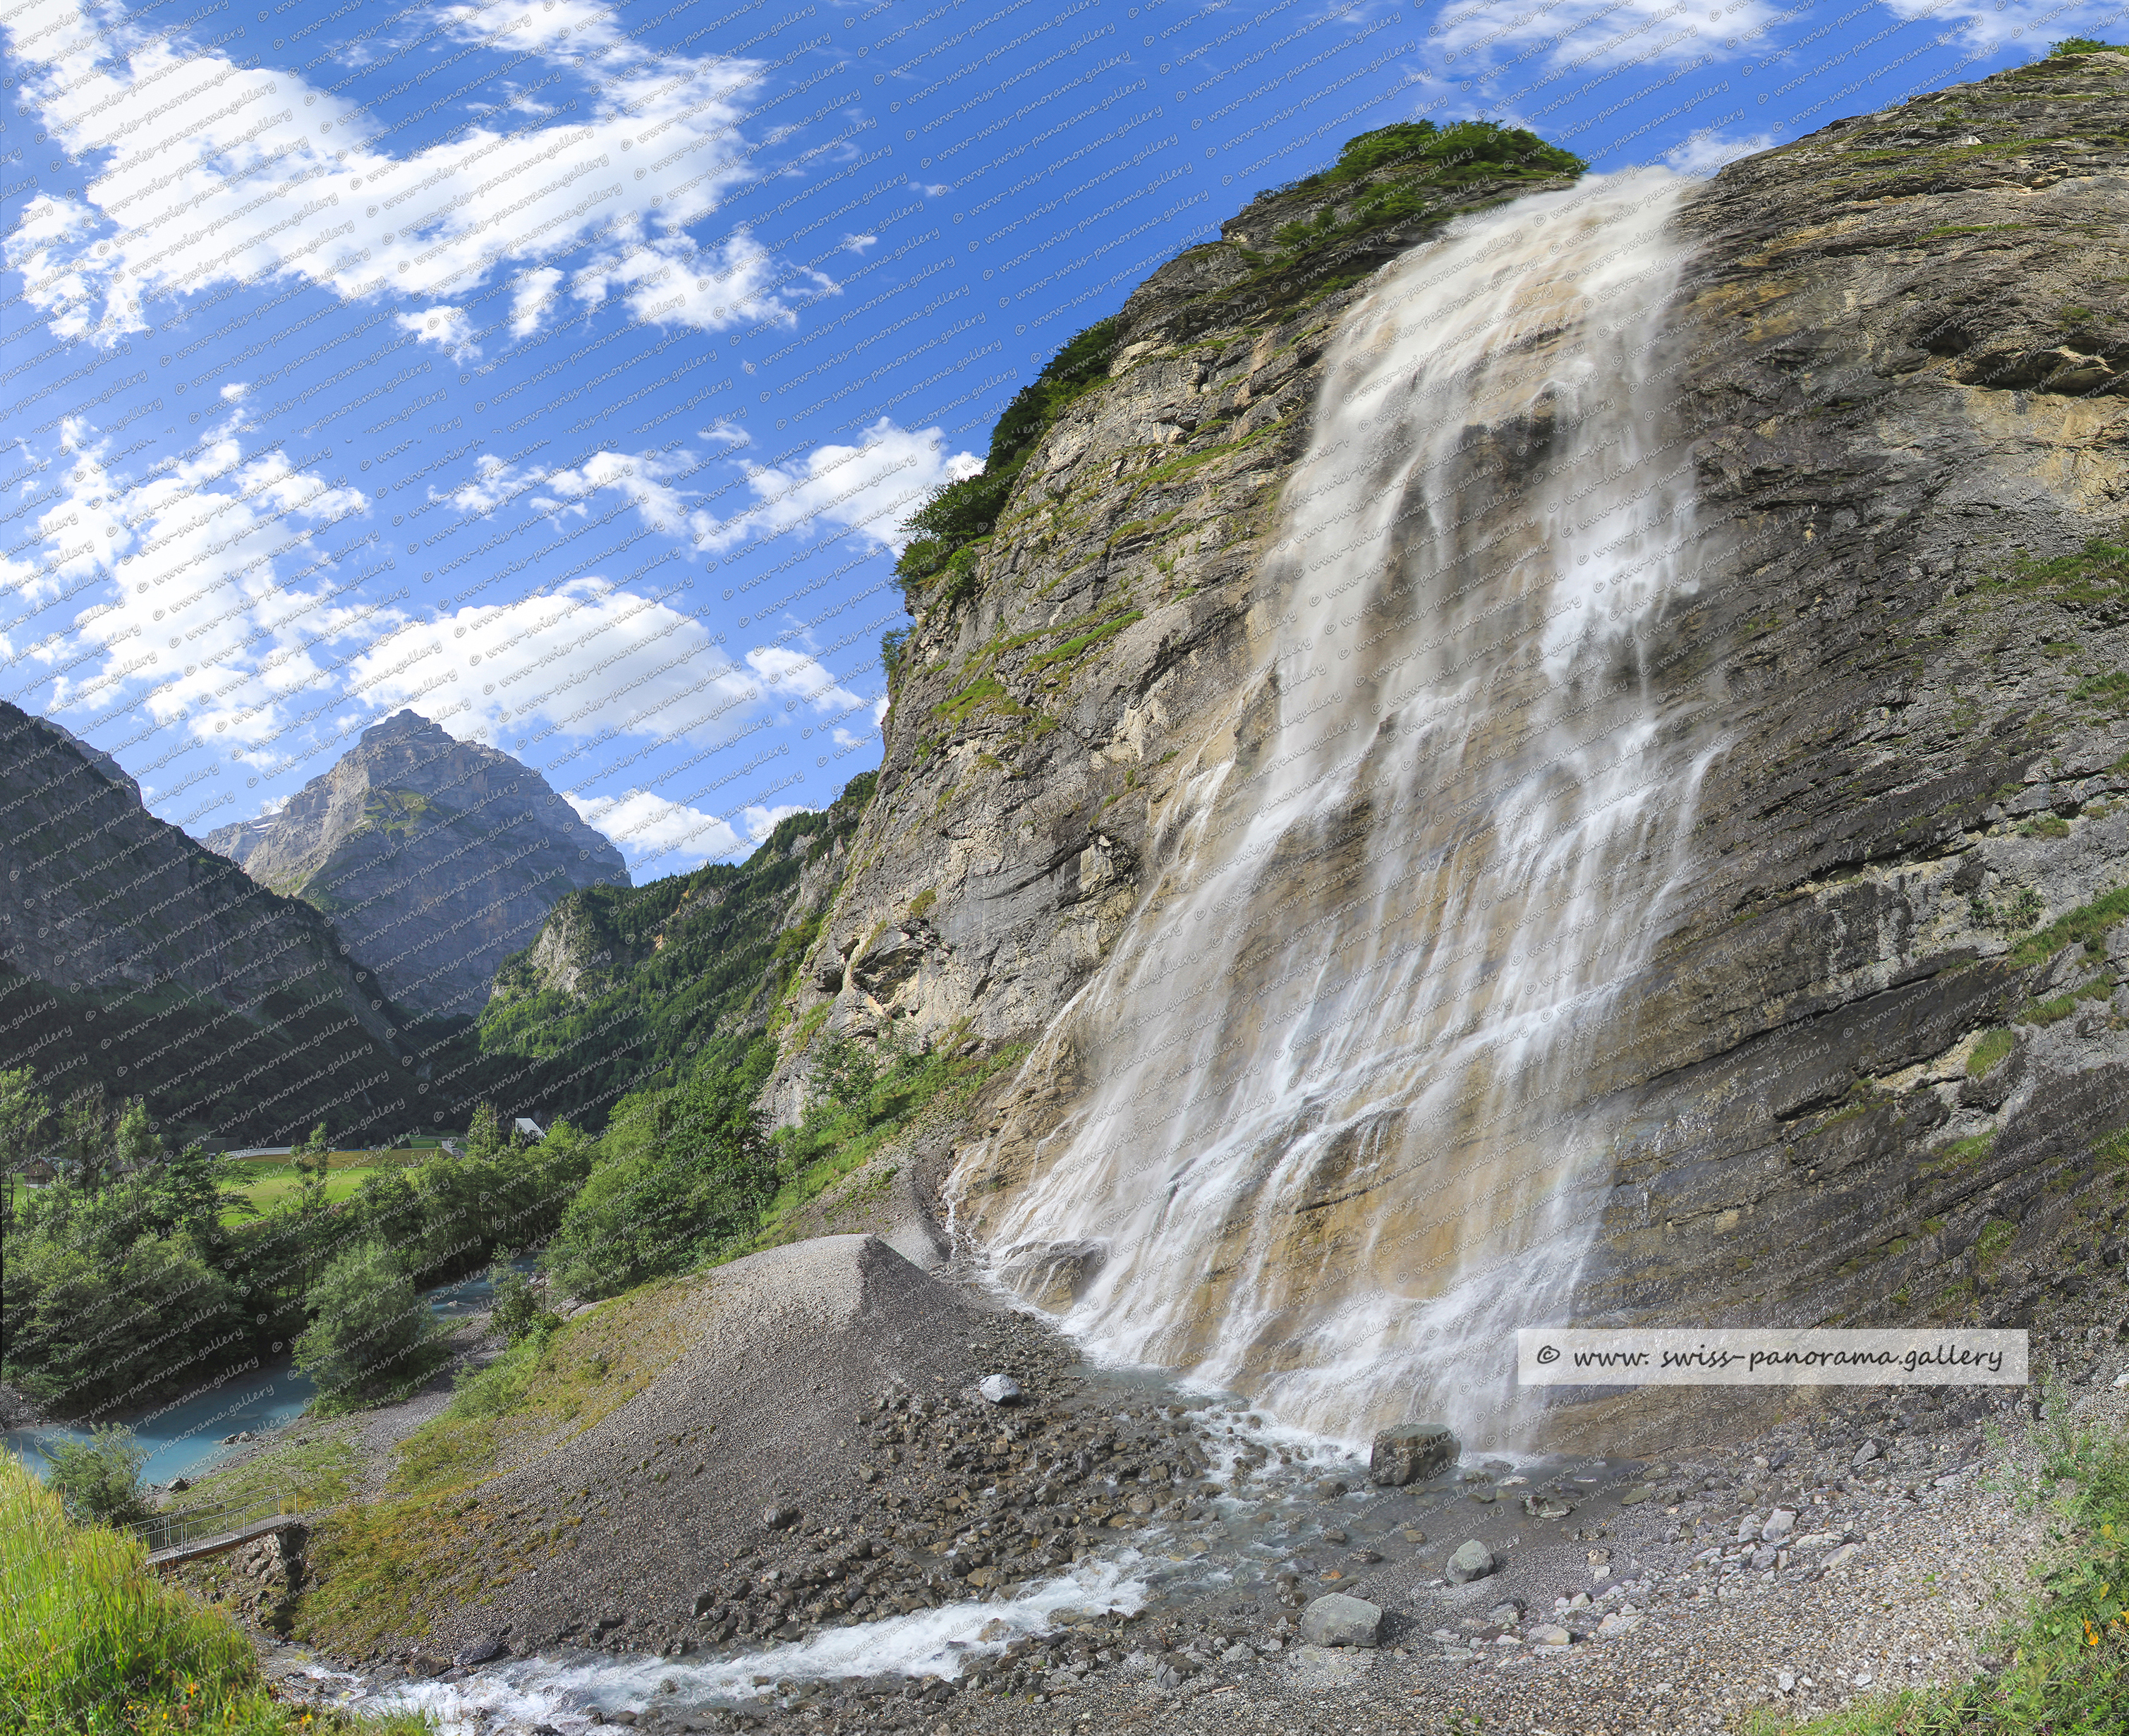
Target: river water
185,1438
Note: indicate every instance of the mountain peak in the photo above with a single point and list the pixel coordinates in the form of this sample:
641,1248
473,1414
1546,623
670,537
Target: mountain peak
435,857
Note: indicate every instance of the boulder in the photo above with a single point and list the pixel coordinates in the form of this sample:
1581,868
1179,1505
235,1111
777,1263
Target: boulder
1472,1561
484,1650
1337,1619
1409,1451
779,1519
1778,1525
1000,1389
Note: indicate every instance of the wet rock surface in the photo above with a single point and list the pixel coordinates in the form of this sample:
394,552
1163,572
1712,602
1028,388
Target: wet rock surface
1872,1080
1864,1076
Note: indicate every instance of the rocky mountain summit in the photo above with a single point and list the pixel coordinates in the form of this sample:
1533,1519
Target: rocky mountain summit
132,958
435,859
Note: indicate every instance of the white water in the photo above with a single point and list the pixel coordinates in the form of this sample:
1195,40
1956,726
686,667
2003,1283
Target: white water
928,1644
1341,1137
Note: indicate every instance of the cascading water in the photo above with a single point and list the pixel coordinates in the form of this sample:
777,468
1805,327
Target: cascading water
1341,1133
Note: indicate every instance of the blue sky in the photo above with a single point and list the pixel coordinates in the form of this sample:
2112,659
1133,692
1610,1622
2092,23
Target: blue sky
566,371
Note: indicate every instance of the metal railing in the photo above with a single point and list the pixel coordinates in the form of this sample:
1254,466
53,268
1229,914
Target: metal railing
186,1524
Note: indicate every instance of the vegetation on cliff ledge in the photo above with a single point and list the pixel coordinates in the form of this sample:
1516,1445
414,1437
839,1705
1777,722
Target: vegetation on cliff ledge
1382,179
679,976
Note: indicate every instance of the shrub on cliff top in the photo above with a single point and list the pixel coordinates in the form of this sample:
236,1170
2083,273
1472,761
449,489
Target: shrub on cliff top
958,515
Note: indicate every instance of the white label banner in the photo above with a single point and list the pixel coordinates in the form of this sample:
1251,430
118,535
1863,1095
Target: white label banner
1777,1356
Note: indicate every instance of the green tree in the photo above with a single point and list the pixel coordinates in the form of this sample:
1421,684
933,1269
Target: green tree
98,1480
684,1175
24,1111
844,1076
82,1146
88,1315
134,1144
519,1312
372,1330
188,1193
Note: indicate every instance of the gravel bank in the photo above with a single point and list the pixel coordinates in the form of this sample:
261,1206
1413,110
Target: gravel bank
817,1467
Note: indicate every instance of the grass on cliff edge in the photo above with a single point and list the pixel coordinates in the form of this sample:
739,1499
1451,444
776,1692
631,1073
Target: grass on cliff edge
94,1644
2066,1671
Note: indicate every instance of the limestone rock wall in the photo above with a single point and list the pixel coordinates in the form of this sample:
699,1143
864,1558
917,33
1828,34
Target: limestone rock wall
1877,1069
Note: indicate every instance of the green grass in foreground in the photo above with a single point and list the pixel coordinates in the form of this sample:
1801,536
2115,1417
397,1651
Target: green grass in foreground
93,1644
2067,1668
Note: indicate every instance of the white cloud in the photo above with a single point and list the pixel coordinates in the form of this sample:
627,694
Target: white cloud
865,490
1592,34
215,585
797,674
448,328
586,658
870,487
196,188
534,293
650,829
2035,25
1703,154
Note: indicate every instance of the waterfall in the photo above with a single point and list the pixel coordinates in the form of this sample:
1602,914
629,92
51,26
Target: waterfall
1338,1126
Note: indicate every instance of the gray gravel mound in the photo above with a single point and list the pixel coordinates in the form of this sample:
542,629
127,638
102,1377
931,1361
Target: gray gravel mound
759,1410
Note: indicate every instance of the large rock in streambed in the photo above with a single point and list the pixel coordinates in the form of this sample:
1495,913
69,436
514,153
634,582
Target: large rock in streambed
1337,1619
1410,1451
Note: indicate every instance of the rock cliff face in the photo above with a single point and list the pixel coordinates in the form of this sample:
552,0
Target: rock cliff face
132,958
1035,727
1870,1066
435,858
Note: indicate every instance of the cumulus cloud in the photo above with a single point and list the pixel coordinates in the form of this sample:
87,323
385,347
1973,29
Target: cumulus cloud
802,676
207,173
1572,35
1994,26
652,830
869,488
450,329
222,579
588,658
863,491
